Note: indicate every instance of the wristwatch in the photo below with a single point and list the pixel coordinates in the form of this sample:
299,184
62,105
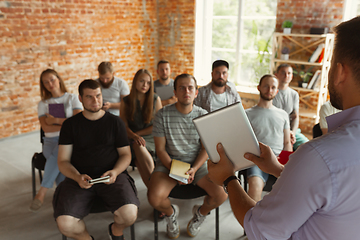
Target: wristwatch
226,182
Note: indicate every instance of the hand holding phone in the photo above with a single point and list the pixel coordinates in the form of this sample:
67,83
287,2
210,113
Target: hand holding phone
100,180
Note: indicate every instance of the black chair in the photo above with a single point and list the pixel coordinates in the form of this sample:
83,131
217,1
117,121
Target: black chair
189,191
99,207
317,130
37,162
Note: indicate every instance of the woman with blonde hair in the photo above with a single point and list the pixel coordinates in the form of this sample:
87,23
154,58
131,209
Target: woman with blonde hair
138,112
55,106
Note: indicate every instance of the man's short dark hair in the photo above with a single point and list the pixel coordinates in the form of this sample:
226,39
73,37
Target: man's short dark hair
267,76
347,42
219,63
283,65
162,62
88,83
184,75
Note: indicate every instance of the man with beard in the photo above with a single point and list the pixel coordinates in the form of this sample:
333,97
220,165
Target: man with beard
94,144
164,72
317,194
288,100
113,89
176,138
271,127
219,92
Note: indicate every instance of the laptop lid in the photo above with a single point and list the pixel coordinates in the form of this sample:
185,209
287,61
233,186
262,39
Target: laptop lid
231,127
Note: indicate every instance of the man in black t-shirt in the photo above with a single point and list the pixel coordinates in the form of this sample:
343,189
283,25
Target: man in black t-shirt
94,144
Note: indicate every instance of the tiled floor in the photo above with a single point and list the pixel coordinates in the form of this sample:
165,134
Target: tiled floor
17,222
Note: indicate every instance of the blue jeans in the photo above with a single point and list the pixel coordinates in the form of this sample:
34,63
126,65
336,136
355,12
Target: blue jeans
51,171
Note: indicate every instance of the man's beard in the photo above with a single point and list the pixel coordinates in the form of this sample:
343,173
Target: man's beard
92,111
266,98
108,84
335,98
219,83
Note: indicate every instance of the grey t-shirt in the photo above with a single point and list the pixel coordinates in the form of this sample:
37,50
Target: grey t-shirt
182,139
113,94
287,100
157,84
269,125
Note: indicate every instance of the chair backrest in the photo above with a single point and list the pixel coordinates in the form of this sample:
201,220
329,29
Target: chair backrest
189,191
317,130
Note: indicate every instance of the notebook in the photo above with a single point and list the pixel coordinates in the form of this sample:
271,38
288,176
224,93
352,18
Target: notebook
165,92
231,127
57,110
178,170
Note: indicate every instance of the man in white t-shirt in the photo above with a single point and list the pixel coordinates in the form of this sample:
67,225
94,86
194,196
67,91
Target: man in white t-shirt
288,100
219,92
113,89
271,127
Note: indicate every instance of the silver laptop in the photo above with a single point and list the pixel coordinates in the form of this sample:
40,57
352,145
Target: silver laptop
231,127
165,92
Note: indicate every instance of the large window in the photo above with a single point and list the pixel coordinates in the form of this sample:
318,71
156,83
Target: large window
238,31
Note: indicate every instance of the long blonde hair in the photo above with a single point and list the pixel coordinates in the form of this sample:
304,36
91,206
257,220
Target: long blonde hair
44,93
148,106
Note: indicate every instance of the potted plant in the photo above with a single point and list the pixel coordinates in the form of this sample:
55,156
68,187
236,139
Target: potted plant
285,53
287,25
304,76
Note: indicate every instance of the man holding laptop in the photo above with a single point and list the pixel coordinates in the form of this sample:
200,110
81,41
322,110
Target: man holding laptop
317,194
219,92
86,155
271,126
164,86
176,138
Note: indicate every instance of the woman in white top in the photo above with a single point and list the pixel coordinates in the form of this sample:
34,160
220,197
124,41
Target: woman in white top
55,106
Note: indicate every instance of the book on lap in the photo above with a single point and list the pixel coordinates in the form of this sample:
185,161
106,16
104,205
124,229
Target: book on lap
178,170
57,110
231,127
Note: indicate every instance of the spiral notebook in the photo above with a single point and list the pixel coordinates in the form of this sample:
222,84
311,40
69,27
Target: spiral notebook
231,127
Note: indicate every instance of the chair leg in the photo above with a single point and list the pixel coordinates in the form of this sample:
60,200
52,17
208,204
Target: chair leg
132,230
156,233
33,179
217,235
64,237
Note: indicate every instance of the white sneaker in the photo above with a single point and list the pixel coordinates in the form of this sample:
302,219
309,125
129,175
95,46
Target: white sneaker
193,227
173,228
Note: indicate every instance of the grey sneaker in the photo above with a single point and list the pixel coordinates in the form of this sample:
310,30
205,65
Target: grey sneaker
173,229
193,227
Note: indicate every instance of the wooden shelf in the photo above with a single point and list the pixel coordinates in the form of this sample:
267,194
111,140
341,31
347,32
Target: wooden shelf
302,46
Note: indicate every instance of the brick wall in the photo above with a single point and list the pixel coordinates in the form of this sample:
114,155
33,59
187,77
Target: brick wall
309,13
74,36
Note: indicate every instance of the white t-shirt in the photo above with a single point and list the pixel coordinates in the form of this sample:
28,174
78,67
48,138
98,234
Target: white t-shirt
326,110
219,101
71,102
113,94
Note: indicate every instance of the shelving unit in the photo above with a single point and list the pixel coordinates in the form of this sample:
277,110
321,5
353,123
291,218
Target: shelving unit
302,47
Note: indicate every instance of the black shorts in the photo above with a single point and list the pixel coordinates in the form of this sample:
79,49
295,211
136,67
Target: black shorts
70,199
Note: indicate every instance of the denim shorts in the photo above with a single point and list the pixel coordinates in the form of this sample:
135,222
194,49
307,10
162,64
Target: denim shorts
255,171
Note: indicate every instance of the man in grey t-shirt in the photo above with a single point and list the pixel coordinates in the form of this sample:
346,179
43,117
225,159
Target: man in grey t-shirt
176,138
114,89
288,100
164,81
271,127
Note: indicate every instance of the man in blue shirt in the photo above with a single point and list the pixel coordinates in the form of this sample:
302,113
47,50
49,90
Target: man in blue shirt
317,193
